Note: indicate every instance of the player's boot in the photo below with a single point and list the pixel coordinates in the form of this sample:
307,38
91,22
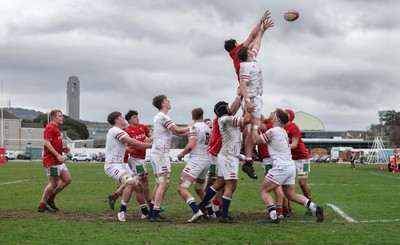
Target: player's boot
308,212
45,209
159,219
121,216
196,216
249,170
111,201
52,205
225,219
320,214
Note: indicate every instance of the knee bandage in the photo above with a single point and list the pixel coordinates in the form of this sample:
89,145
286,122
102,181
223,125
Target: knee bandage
162,179
249,127
303,175
197,185
186,183
128,178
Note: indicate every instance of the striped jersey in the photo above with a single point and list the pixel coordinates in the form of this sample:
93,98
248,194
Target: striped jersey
162,136
202,133
229,126
251,72
277,141
115,149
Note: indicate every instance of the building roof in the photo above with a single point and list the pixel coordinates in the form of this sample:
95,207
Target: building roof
31,125
8,115
307,122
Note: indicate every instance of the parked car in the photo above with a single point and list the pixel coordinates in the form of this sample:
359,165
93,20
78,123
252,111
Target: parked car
334,159
24,156
101,157
10,156
325,158
82,157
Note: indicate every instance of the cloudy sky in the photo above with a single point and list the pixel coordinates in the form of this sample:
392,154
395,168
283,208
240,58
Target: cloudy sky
337,61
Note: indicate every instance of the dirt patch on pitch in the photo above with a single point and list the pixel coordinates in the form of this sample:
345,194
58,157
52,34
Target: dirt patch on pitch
77,216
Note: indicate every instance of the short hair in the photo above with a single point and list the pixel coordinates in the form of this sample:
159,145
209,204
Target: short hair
242,53
197,113
281,116
158,100
221,108
53,113
113,116
207,120
230,45
129,114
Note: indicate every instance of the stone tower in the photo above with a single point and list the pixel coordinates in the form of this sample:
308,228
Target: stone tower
73,93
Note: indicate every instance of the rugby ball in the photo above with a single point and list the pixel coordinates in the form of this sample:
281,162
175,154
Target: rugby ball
291,15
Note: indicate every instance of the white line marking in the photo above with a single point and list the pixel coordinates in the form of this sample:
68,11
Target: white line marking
385,175
13,182
341,213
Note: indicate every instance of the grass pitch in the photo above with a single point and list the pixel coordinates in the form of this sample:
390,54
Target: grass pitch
361,207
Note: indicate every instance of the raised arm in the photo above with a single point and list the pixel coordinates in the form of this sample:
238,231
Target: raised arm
257,40
256,29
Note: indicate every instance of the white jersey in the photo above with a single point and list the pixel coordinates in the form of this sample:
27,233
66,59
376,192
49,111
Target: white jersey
251,71
115,149
202,133
277,141
229,126
161,133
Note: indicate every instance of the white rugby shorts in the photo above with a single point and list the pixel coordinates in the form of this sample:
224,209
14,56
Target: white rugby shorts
228,167
258,103
116,170
56,170
282,175
197,168
161,163
303,168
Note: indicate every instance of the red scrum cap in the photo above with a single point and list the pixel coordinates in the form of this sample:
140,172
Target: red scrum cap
291,114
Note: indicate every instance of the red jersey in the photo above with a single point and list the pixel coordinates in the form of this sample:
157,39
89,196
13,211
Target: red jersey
216,139
139,133
301,151
52,134
236,60
263,148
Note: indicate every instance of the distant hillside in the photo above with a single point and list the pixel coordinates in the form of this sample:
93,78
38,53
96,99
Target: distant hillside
27,114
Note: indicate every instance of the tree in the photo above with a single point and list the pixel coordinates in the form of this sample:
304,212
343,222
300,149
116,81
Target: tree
75,129
391,123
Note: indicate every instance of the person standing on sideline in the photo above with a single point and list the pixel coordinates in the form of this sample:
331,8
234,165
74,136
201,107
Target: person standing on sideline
114,166
353,160
196,169
163,127
228,158
53,160
251,86
283,169
300,155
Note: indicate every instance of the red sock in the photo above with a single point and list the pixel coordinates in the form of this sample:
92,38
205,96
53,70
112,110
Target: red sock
115,195
279,210
288,203
150,203
51,198
216,202
285,209
310,198
42,205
